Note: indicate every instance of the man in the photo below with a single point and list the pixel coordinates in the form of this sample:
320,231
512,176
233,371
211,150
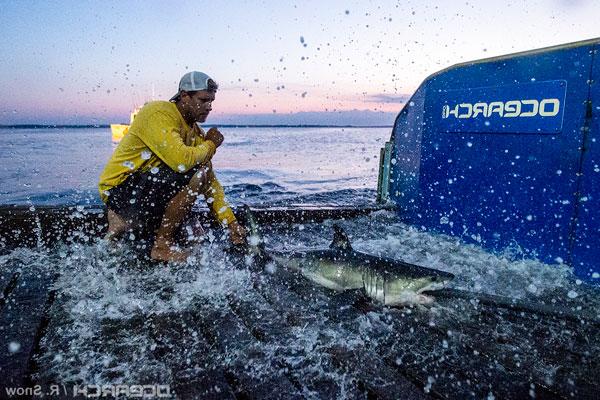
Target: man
162,165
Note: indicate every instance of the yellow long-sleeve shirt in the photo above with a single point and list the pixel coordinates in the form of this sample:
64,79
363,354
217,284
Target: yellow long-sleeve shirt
159,135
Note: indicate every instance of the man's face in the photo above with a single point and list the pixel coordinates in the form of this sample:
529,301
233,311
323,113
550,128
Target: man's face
199,105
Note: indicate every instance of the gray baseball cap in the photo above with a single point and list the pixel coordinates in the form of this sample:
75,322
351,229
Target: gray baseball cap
192,81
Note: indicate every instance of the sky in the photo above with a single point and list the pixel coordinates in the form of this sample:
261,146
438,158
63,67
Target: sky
316,62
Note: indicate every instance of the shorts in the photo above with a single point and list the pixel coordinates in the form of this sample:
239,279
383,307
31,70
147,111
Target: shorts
143,197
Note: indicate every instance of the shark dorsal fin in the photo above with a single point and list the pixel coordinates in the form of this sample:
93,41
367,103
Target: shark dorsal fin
340,239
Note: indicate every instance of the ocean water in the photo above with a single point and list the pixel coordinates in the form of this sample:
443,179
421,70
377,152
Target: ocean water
58,166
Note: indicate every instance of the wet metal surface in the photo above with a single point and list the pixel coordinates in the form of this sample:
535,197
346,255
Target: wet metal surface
214,329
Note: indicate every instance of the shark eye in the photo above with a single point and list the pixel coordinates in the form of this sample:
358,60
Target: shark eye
435,278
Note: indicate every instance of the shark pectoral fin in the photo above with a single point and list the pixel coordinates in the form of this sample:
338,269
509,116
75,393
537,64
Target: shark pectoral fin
424,299
409,298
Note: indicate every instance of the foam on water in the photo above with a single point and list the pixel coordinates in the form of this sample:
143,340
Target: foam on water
104,290
105,295
477,270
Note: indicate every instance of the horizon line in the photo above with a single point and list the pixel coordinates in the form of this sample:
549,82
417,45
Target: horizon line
77,126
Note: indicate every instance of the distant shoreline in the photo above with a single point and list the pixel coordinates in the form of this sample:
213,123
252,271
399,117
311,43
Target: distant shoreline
51,126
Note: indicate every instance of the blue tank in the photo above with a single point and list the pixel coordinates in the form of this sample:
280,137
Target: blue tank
504,152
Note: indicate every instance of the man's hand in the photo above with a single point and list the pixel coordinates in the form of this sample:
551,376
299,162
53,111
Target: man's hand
237,234
214,136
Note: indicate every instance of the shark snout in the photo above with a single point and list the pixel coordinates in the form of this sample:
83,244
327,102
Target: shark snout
442,277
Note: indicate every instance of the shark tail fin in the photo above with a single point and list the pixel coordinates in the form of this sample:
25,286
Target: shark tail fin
249,220
254,237
340,239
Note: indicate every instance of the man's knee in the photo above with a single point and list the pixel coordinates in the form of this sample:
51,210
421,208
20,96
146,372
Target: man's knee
116,224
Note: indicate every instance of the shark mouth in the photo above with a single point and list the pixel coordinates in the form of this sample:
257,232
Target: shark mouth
388,291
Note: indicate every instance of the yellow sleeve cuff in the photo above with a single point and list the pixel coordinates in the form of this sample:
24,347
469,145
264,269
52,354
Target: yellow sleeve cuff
226,217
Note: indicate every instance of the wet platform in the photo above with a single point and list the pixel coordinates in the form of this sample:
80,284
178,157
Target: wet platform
458,348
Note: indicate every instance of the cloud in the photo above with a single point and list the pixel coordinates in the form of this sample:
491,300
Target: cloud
389,98
340,118
572,3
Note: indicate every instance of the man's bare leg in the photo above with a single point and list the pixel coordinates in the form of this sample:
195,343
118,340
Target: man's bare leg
116,226
176,211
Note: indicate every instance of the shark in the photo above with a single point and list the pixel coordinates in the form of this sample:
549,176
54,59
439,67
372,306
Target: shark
387,281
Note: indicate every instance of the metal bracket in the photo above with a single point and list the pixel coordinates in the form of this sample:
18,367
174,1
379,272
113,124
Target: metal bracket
383,180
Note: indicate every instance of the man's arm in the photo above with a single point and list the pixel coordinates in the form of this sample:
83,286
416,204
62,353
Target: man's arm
215,198
162,134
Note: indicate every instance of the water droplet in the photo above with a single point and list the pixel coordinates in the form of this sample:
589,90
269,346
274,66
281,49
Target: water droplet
572,294
129,164
154,170
253,240
13,347
146,155
181,167
469,144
